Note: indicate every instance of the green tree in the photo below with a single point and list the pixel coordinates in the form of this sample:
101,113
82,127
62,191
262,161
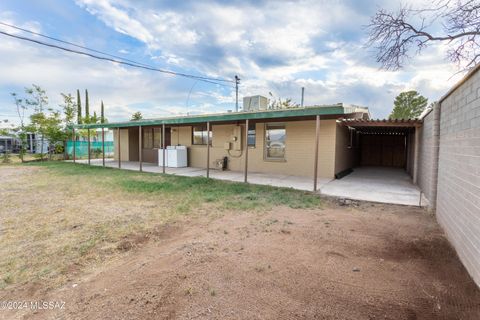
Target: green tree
79,108
283,104
408,105
4,132
53,130
94,118
68,108
37,98
45,121
102,113
87,108
22,134
136,116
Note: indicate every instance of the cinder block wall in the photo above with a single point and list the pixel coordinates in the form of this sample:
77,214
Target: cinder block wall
458,196
426,157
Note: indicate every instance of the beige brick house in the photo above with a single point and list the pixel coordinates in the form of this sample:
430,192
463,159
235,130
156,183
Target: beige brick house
440,151
278,141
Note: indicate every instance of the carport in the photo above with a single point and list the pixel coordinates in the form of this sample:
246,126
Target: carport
386,154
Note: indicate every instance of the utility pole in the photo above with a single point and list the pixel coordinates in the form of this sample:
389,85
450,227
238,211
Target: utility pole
303,94
237,81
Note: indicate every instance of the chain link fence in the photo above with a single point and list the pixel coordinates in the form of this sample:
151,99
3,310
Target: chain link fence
81,149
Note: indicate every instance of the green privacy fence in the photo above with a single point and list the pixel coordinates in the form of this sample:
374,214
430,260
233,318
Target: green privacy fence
81,149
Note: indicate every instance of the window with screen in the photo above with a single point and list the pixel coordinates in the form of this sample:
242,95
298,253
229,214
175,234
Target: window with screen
275,136
157,138
147,138
152,138
251,135
200,136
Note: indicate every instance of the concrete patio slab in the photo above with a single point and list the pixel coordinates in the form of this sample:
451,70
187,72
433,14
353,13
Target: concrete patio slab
276,180
377,184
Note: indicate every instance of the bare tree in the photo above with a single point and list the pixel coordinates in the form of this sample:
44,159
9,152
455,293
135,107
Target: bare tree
396,34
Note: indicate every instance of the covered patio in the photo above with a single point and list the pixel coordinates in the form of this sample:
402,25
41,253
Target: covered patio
250,146
276,180
323,143
386,170
376,184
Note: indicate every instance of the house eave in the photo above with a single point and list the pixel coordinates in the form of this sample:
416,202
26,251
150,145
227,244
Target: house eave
225,117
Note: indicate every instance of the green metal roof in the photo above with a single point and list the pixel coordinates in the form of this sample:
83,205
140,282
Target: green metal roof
339,109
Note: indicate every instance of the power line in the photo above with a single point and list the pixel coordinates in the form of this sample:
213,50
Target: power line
69,43
116,60
111,55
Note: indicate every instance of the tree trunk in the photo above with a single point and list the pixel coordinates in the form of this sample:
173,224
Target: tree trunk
41,149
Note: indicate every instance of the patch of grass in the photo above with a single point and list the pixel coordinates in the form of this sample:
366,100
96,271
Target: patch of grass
77,216
86,246
134,185
227,195
8,279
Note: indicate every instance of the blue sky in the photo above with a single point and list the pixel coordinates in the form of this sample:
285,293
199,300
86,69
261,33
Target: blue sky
274,46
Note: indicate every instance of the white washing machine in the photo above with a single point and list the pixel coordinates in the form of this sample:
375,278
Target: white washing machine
160,157
177,156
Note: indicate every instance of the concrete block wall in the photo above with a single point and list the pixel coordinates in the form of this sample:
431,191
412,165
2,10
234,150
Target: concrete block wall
458,195
428,155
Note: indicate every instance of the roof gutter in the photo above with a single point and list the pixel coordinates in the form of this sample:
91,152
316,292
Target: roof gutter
222,117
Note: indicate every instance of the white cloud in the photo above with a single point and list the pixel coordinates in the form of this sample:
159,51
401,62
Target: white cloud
117,18
274,46
270,44
124,90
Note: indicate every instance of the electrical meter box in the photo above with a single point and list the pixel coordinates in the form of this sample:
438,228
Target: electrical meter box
237,138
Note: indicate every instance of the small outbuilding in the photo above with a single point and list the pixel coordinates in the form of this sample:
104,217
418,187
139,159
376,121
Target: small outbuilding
9,144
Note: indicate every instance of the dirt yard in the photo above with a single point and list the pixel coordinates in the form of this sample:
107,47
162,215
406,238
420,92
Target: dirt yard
365,261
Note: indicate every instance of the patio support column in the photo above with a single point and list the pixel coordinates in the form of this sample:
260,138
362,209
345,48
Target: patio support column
119,153
103,146
163,148
208,149
88,145
415,155
246,150
315,164
74,138
140,148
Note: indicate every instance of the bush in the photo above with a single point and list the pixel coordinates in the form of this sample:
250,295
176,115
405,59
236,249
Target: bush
6,157
96,153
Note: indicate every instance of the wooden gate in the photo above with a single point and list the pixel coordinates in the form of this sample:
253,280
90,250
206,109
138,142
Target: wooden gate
382,150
